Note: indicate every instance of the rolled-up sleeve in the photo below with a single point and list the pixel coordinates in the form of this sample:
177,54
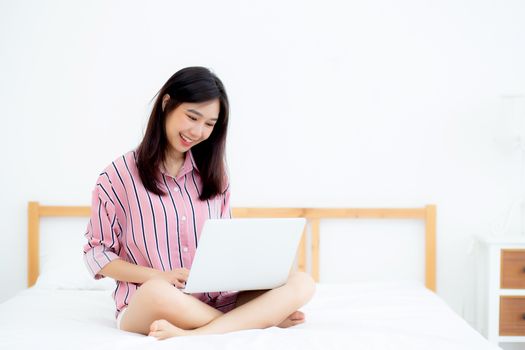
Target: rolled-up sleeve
103,229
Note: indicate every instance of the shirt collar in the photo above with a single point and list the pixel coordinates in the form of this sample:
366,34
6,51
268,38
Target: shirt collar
189,164
187,167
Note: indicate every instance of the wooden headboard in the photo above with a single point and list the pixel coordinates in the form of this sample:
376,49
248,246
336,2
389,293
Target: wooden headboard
313,216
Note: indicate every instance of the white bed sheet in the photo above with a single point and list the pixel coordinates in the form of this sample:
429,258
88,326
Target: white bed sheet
358,316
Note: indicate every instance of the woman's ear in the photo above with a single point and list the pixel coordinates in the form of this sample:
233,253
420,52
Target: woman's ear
165,100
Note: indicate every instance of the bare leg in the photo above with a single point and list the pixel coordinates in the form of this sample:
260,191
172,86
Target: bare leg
295,318
157,299
267,310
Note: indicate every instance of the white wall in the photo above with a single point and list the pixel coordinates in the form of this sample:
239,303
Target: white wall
334,103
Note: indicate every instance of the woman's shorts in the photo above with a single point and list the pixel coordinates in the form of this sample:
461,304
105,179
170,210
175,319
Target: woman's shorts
119,317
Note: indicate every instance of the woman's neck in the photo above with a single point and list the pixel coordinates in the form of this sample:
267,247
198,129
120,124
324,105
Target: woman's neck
173,162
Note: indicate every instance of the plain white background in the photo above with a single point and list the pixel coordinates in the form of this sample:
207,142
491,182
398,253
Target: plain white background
334,104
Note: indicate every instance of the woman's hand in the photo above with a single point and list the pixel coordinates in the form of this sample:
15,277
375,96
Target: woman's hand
177,277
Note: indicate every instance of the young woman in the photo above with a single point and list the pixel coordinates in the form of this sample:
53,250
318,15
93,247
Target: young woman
148,210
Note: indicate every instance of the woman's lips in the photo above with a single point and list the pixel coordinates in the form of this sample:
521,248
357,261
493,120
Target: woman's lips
185,141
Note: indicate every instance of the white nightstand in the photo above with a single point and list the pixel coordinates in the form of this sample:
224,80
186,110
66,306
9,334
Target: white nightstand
501,288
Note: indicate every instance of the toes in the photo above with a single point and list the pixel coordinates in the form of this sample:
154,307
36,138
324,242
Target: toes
297,315
162,329
295,318
155,326
292,323
160,335
158,325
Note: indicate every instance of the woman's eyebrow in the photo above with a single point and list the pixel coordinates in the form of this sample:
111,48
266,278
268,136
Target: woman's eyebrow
199,113
194,111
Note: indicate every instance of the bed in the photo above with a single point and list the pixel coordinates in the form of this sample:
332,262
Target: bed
79,314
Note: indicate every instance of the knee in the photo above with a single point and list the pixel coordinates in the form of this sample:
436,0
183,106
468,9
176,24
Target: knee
160,294
303,286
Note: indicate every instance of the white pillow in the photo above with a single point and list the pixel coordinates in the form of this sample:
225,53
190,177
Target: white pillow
71,275
61,258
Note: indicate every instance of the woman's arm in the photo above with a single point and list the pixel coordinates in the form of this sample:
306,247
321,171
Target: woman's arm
122,270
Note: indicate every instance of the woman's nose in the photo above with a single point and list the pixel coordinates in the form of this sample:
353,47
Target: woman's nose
196,131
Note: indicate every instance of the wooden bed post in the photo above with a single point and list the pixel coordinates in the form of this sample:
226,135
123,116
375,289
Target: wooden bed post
301,253
430,247
316,223
33,243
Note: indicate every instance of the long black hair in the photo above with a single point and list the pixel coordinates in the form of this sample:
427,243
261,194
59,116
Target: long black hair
191,84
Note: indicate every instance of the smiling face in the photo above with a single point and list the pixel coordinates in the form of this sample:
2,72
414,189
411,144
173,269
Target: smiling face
189,124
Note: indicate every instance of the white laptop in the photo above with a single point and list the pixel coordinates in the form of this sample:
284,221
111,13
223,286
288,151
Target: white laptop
244,254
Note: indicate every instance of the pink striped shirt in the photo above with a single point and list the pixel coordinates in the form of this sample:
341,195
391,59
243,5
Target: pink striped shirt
128,222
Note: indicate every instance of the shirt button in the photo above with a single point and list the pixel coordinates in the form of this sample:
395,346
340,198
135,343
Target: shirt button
176,189
185,249
183,218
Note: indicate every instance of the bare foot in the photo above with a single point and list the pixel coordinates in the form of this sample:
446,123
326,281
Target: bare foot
162,329
294,319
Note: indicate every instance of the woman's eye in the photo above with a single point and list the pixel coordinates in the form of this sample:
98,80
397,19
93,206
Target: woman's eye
210,125
192,118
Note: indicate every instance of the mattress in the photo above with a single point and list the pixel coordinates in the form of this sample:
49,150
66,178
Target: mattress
367,316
